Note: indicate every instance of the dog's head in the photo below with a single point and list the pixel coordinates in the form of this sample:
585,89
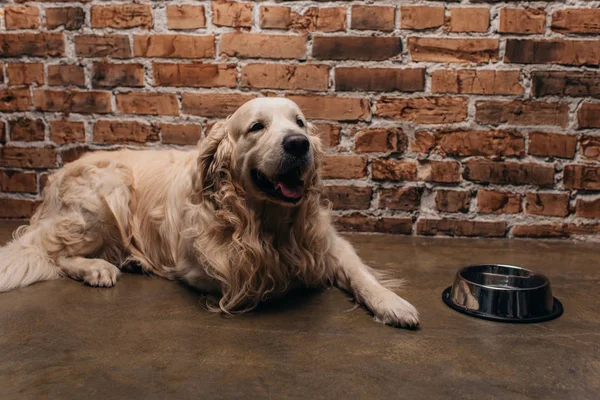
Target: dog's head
266,148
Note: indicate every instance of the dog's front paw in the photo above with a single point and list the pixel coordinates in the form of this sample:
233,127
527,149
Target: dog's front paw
101,273
391,309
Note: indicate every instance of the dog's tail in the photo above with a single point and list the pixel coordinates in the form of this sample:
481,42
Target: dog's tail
24,261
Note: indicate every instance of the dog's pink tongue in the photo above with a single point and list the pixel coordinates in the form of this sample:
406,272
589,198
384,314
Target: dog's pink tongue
292,192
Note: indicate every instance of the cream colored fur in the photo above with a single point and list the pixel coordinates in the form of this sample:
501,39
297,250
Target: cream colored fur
197,217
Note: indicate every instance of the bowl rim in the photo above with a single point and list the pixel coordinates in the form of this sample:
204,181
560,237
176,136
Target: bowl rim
487,287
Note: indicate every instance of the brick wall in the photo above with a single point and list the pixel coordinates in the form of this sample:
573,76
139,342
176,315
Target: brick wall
470,118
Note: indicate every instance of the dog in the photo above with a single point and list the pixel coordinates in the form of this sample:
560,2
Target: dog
239,218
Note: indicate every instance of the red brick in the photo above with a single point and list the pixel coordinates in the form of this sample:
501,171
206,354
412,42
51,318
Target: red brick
380,140
453,50
379,79
453,227
553,51
282,76
2,132
66,75
328,19
473,81
582,229
1,72
588,115
373,18
404,199
522,20
115,46
590,147
329,134
71,18
174,46
64,132
32,44
348,197
540,231
21,17
518,112
469,19
481,143
195,75
256,45
144,103
344,167
333,108
588,208
108,75
122,16
566,83
231,13
423,110
421,17
73,153
27,130
364,48
15,99
576,20
28,157
423,142
18,182
360,223
124,132
548,204
394,170
493,202
43,181
72,101
216,105
439,171
552,145
453,200
185,17
182,134
25,73
582,177
508,173
17,208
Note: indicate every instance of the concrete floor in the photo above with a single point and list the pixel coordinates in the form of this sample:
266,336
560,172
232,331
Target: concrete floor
150,338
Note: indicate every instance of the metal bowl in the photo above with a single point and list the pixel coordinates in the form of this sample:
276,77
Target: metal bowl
502,293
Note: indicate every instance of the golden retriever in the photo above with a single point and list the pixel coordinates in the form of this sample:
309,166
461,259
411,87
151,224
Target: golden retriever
240,217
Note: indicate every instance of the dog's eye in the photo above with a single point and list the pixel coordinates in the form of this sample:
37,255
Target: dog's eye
257,126
300,122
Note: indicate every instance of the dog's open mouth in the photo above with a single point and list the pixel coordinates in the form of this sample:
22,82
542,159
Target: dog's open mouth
287,187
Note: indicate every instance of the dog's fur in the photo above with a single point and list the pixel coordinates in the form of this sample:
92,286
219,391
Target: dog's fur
199,217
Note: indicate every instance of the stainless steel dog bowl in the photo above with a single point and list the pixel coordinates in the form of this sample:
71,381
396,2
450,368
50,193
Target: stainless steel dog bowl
502,293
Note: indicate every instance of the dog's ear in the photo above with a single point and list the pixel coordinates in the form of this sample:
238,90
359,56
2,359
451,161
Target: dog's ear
215,158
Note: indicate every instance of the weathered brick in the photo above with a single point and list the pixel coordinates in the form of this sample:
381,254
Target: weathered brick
71,18
43,181
343,167
522,20
27,130
21,17
1,70
453,227
566,83
72,101
582,177
18,208
517,112
553,51
373,18
548,204
452,50
423,142
185,17
64,132
329,134
423,110
18,181
215,105
494,202
66,75
115,46
552,145
281,76
121,16
232,13
469,19
582,229
195,75
380,140
588,208
576,20
379,79
439,171
28,157
473,81
145,103
508,173
333,108
2,132
32,44
421,17
394,170
588,115
348,197
404,199
453,200
481,143
360,223
15,99
25,73
124,132
256,45
174,46
590,147
540,231
109,75
328,19
74,153
364,48
182,134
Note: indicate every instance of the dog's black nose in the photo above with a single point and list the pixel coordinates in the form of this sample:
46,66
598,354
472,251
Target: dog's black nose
296,144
